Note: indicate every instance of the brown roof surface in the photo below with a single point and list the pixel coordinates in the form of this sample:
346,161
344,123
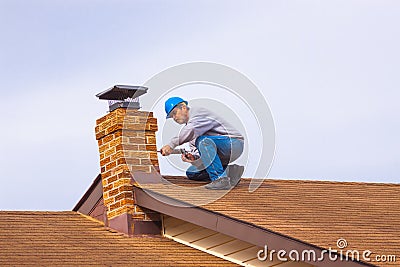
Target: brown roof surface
71,239
317,212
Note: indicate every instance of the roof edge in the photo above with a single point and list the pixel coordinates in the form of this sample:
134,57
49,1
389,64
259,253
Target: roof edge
88,192
242,230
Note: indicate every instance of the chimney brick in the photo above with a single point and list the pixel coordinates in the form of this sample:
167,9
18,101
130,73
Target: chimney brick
127,143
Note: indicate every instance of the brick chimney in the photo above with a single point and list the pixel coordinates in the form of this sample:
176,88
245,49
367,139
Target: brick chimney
127,144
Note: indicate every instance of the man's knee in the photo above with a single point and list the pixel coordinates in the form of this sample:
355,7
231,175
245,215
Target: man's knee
204,140
192,173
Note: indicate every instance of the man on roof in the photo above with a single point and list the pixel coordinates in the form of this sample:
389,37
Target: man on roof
213,141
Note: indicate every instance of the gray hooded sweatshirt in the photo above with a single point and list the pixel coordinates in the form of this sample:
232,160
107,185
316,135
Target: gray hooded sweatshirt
203,122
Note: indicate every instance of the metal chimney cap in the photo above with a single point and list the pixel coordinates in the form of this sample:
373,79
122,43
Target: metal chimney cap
122,92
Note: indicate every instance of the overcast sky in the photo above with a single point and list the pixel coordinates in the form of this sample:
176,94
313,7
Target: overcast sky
328,69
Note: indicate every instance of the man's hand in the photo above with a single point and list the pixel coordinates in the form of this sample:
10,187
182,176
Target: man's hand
185,159
166,150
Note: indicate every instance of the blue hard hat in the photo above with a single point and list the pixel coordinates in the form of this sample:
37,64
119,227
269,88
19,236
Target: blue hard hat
171,103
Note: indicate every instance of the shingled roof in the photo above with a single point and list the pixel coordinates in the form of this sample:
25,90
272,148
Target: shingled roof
317,213
71,239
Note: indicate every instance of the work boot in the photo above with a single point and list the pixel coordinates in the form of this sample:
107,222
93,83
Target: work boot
221,183
235,172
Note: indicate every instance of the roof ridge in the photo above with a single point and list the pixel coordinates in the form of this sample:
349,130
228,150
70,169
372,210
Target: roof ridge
91,218
37,211
291,180
326,181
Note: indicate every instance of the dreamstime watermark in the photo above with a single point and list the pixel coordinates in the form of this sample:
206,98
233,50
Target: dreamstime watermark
232,82
314,255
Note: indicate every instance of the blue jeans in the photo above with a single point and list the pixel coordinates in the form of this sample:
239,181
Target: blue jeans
216,152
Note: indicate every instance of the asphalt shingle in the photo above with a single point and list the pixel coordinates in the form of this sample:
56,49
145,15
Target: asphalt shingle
69,238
